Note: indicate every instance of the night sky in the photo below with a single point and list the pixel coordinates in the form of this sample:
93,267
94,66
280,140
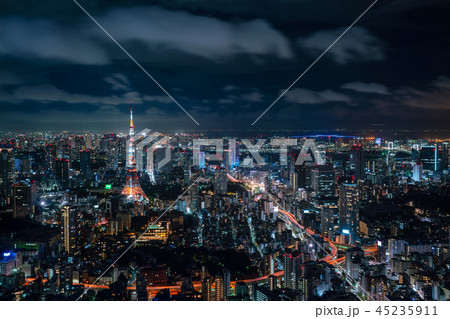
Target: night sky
225,61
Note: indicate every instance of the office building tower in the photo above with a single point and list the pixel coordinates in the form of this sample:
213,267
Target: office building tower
242,291
349,208
292,269
273,282
379,288
323,181
65,278
429,157
50,157
353,259
356,161
22,199
62,172
417,172
220,182
207,289
226,284
6,171
268,266
219,285
202,161
445,156
233,155
193,198
85,162
70,229
302,178
327,220
141,288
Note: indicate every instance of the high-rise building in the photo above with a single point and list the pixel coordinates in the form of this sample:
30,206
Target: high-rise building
62,172
273,282
429,157
70,228
219,285
349,208
132,189
141,288
65,274
379,288
327,220
6,171
85,162
323,181
22,199
233,158
353,258
242,291
202,161
302,172
445,156
207,289
194,203
357,161
226,284
417,172
268,264
220,182
292,269
50,157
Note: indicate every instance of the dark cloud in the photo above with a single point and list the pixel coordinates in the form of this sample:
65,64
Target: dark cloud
437,96
357,45
46,93
44,39
304,96
376,88
206,37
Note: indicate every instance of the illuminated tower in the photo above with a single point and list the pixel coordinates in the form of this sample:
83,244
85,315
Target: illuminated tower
132,188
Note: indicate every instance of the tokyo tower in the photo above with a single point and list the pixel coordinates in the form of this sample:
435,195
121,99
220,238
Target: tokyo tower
132,188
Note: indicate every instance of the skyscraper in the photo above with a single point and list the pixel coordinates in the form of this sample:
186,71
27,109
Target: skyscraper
349,208
206,289
193,199
62,172
6,171
132,188
273,282
85,162
429,156
141,288
417,172
357,161
220,296
226,284
322,181
292,269
70,227
22,200
327,220
220,182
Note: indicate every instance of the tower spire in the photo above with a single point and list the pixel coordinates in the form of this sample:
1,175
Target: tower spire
131,120
132,188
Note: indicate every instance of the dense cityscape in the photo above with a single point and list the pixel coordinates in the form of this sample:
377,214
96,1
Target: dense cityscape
325,217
